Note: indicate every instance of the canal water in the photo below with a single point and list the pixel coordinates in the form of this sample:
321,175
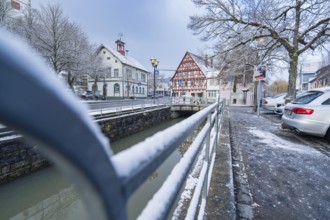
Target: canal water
47,194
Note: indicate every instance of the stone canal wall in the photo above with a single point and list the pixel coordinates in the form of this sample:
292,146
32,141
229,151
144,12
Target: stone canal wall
122,126
17,158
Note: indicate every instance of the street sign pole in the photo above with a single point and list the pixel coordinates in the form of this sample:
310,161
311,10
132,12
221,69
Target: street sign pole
258,97
260,75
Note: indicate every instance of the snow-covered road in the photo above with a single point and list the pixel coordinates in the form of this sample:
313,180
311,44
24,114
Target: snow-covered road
289,177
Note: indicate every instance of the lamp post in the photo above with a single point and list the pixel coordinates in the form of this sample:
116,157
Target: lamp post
154,63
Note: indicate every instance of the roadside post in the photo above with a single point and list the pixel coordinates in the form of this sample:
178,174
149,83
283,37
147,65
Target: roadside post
260,75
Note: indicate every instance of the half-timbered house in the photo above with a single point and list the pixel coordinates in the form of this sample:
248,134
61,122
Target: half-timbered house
196,77
190,78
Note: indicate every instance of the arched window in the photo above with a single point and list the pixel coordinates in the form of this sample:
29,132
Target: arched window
133,89
116,88
142,90
136,89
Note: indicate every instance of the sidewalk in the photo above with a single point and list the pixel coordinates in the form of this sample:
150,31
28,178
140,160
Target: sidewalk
264,172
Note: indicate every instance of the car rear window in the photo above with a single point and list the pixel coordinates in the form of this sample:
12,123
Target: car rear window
326,102
307,97
277,96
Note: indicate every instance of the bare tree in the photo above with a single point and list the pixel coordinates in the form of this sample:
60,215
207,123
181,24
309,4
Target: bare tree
290,26
24,24
61,42
94,66
239,64
53,34
76,53
279,86
5,12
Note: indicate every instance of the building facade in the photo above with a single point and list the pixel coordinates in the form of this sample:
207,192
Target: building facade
322,78
122,75
196,77
190,78
305,79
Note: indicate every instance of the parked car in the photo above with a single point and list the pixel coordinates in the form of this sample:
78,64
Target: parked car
270,103
279,108
151,95
309,113
87,95
99,96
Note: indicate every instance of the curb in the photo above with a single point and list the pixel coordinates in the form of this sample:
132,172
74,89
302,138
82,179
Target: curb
221,197
243,195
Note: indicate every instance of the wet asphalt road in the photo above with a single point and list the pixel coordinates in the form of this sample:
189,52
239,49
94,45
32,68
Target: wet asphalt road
288,174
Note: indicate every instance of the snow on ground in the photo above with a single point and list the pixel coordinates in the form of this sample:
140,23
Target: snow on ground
271,140
288,178
10,137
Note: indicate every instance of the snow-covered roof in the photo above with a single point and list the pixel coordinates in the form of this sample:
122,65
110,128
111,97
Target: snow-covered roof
127,60
212,74
201,64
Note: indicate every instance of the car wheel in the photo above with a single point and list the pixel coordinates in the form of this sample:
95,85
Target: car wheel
327,136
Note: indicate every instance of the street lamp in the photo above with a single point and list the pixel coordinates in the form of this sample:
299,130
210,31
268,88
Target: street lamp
154,63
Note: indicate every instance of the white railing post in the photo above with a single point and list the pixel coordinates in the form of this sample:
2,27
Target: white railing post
207,157
218,110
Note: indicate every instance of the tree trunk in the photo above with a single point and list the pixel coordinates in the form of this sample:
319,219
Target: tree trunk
255,96
94,87
293,70
235,84
70,80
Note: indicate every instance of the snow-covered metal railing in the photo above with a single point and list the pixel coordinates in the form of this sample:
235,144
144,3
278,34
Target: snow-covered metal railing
192,100
102,109
75,143
120,105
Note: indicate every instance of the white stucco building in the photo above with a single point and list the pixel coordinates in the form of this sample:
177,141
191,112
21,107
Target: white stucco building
242,97
124,76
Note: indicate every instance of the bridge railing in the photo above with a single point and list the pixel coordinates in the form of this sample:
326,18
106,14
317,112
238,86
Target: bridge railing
75,143
192,101
116,106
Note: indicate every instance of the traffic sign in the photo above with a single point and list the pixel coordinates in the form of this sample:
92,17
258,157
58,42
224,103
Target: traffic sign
260,73
258,78
156,72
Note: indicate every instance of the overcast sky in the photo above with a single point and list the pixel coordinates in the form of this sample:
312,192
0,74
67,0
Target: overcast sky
150,28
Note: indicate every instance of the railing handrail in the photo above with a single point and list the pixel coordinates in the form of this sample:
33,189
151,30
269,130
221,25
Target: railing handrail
81,151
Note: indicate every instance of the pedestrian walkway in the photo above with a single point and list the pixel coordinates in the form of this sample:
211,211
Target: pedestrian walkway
265,172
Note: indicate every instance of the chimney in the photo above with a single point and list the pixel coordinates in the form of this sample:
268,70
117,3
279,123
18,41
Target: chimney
120,47
206,60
